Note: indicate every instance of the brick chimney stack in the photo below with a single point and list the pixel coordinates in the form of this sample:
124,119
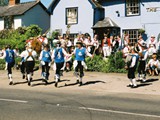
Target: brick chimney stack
13,2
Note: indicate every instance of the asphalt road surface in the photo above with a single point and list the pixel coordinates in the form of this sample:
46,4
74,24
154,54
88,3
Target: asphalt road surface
56,105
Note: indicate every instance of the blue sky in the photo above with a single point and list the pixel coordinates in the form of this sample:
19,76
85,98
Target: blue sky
45,2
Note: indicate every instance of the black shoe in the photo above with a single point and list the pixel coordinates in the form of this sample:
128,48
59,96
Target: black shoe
11,83
45,81
23,76
29,83
129,85
80,83
77,81
134,86
56,84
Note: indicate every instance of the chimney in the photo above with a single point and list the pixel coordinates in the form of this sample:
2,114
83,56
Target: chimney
13,2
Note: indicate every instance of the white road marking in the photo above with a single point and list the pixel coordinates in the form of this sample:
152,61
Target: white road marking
11,100
120,112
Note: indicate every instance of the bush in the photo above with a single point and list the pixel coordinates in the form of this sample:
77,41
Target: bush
114,63
33,31
95,64
2,64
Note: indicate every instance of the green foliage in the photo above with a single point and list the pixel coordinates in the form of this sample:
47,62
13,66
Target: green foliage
2,64
21,30
95,64
55,35
114,63
33,31
3,2
17,38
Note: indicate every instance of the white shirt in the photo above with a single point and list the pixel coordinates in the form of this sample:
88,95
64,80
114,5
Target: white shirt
25,54
153,62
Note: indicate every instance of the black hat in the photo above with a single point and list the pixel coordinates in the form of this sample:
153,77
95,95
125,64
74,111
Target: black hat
46,45
144,45
79,42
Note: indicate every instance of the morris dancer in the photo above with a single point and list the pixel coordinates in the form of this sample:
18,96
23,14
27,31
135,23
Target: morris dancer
132,68
58,56
79,62
45,57
9,57
142,63
29,56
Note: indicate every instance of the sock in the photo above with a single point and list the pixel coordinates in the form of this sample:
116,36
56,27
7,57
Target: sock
57,77
131,82
10,77
29,77
80,80
76,74
134,82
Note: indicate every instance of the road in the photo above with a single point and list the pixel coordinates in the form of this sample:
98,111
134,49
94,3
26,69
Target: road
32,104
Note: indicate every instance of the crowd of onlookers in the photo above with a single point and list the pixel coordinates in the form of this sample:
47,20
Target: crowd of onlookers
106,47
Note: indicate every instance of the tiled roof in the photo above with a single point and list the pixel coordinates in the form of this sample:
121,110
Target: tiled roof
17,9
95,2
106,22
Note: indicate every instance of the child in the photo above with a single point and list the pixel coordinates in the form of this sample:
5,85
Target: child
153,65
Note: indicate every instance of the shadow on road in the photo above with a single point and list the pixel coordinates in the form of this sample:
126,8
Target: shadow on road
149,80
44,83
93,82
152,80
144,84
16,83
87,83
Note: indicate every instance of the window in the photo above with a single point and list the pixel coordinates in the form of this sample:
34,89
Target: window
132,7
71,16
71,36
133,35
8,22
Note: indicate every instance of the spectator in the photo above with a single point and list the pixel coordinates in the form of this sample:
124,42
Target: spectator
153,65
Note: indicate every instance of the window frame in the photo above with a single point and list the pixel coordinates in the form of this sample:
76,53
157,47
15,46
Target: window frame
76,19
132,14
8,22
132,40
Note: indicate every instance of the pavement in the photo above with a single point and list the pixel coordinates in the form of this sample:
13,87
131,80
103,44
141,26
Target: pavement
95,82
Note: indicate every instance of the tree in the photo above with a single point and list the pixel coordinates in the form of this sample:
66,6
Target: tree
3,2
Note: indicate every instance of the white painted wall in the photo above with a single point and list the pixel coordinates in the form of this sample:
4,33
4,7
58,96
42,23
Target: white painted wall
17,22
85,16
1,24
